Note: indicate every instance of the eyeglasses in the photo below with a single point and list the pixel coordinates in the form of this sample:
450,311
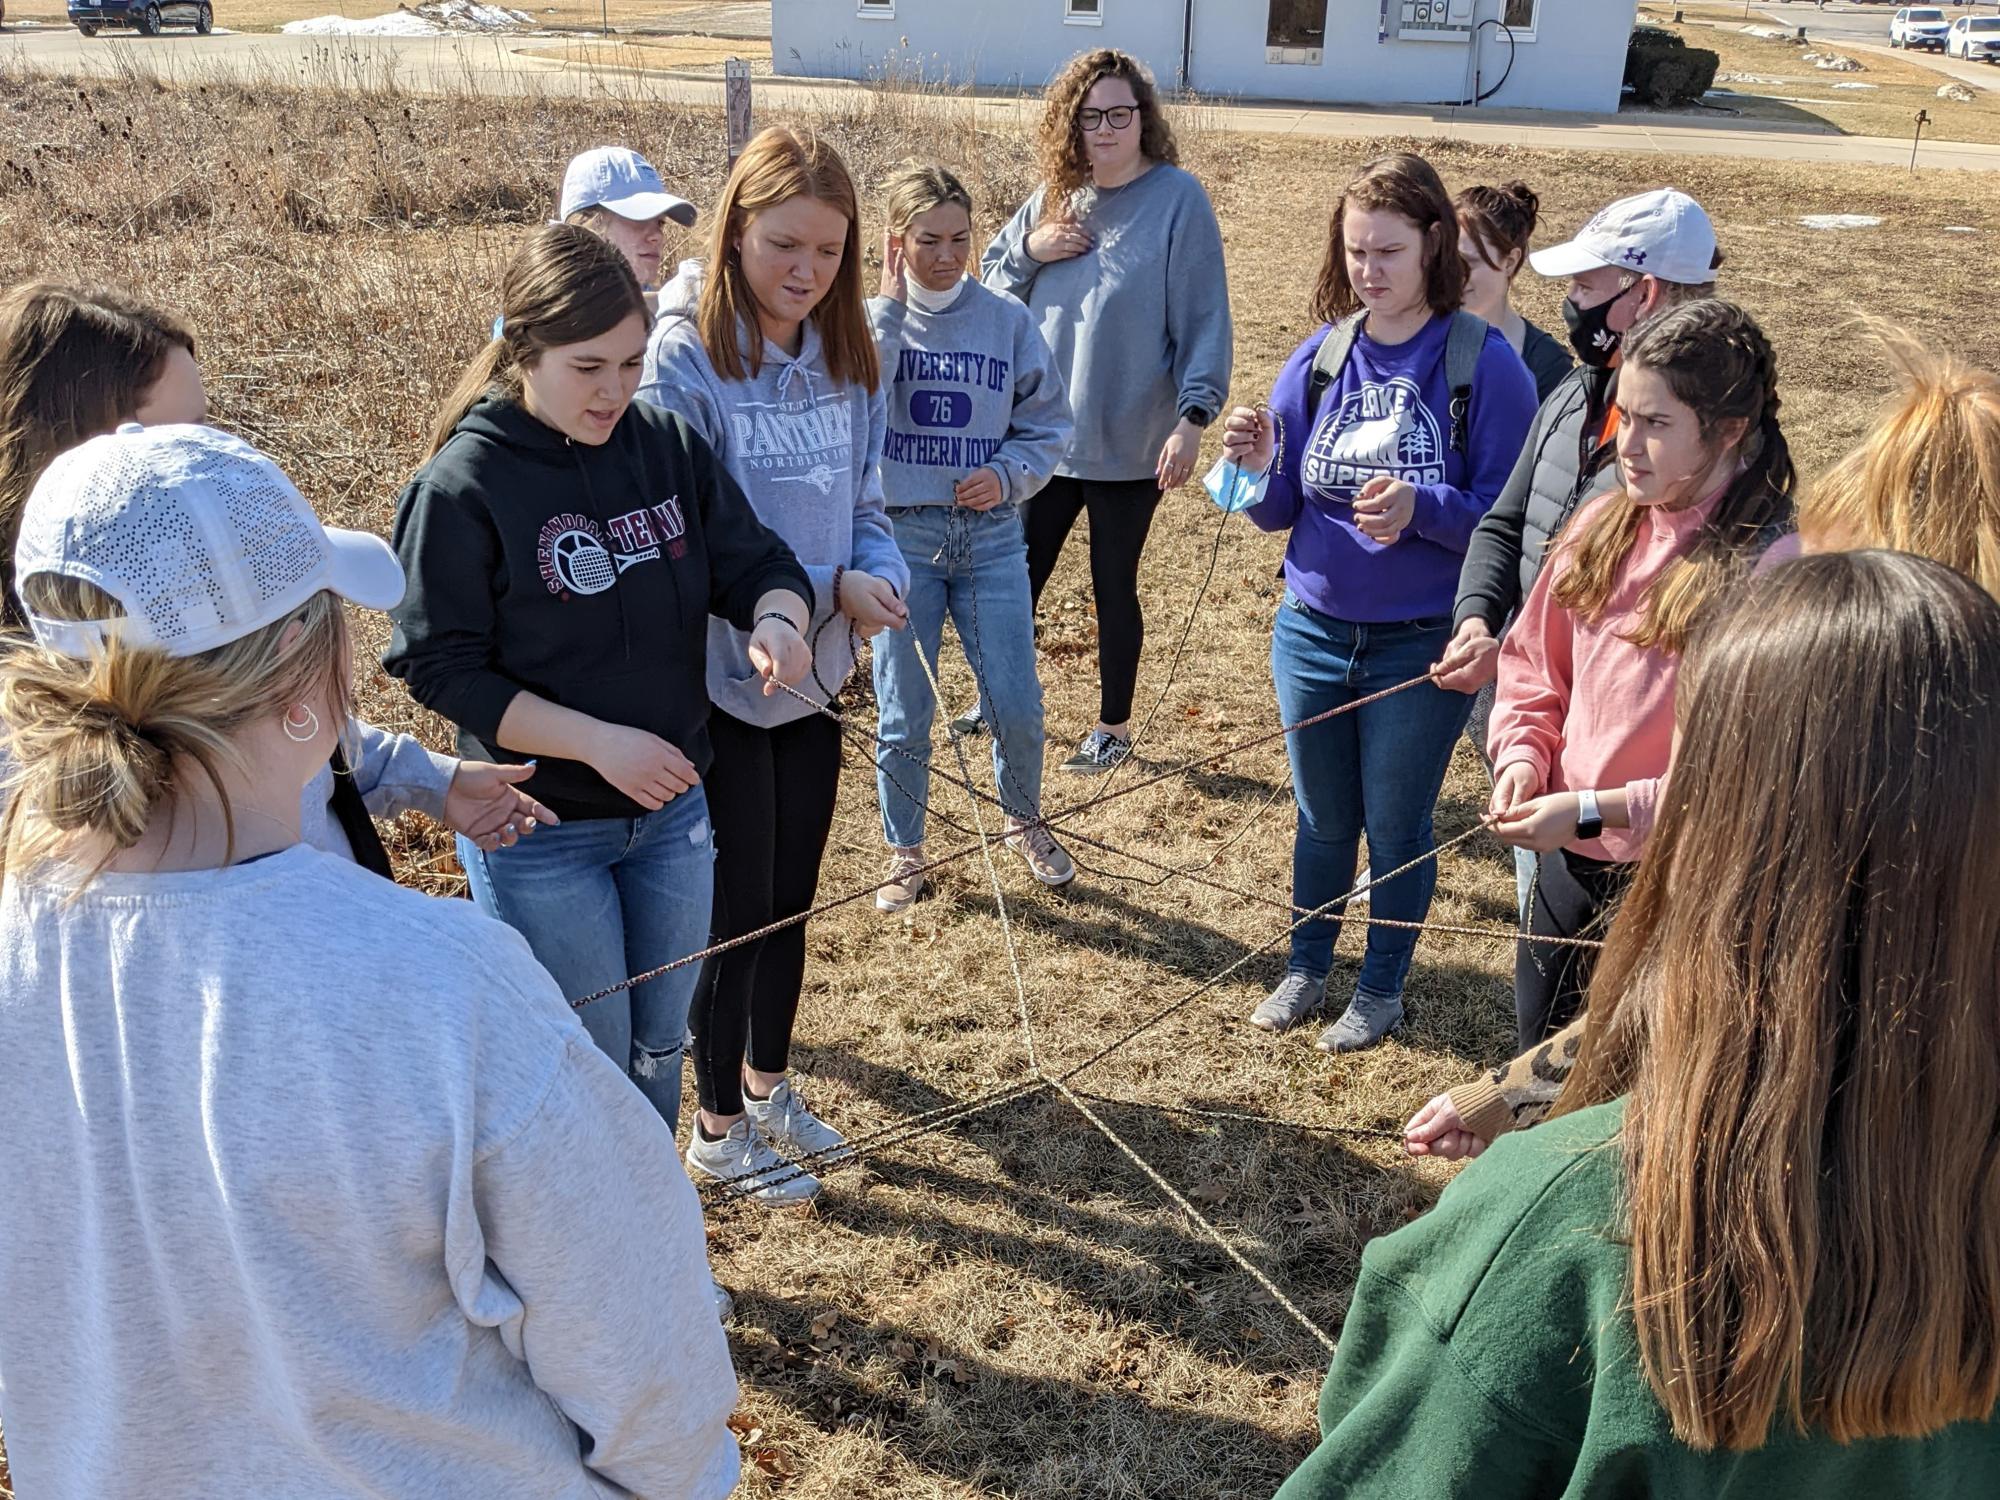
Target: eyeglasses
1117,117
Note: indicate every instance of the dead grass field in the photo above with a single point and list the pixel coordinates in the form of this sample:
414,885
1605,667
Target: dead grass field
1006,1308
568,15
1796,94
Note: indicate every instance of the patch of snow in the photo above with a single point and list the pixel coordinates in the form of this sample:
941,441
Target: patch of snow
1958,93
1746,78
1856,85
1959,229
1769,33
1840,221
422,20
1833,62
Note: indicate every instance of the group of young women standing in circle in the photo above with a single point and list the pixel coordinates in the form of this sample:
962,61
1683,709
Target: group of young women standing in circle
633,570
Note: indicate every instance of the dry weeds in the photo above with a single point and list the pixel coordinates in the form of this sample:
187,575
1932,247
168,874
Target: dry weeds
1005,1308
1801,97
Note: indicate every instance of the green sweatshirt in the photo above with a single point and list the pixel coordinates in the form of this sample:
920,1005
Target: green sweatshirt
1488,1353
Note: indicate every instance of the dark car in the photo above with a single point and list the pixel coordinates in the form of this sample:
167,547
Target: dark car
146,17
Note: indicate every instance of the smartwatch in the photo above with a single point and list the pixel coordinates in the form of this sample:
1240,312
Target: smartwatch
1589,821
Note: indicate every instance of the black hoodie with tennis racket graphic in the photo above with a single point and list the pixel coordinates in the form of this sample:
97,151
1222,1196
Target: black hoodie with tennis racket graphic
583,574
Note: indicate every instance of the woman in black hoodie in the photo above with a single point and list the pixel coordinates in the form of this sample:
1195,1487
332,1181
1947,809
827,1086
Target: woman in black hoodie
565,549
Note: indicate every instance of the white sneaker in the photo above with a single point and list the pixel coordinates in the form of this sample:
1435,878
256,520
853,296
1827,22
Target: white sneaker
744,1152
785,1122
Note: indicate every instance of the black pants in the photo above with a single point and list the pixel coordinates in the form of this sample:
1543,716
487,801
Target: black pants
1121,513
1573,897
770,794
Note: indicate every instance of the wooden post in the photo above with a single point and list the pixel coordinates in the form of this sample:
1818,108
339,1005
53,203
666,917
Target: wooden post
736,91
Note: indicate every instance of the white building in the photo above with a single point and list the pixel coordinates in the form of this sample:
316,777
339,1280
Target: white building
1527,54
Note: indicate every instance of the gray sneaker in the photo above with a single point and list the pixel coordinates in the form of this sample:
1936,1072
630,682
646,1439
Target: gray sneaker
968,725
787,1124
744,1153
1367,1019
1296,997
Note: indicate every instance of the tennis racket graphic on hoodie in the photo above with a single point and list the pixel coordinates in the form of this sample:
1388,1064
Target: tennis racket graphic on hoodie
583,565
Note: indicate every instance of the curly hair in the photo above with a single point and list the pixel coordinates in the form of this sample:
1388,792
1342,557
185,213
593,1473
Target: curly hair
1059,149
1718,363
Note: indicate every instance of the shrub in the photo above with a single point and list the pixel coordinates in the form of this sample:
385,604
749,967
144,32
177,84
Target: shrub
1662,70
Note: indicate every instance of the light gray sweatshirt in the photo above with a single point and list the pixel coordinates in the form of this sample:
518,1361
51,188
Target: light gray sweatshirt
1139,323
807,451
394,774
315,1189
972,386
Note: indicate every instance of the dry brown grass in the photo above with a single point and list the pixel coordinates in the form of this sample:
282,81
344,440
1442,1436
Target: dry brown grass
1803,97
569,15
1006,1308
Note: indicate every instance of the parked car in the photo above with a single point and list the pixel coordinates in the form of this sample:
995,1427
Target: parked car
1919,26
146,17
1974,38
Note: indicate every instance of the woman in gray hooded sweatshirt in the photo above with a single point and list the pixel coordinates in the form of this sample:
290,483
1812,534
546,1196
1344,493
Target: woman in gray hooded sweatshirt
777,369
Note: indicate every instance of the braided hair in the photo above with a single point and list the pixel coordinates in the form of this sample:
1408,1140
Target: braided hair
1717,362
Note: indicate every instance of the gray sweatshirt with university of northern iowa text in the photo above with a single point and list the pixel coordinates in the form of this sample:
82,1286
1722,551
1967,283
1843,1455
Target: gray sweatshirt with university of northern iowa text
973,386
1139,323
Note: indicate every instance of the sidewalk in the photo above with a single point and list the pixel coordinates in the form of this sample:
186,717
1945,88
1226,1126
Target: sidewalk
490,65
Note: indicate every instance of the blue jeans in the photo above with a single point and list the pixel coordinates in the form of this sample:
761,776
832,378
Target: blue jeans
602,899
973,564
1378,770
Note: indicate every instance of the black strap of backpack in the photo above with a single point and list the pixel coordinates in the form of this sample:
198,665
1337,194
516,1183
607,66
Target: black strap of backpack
352,814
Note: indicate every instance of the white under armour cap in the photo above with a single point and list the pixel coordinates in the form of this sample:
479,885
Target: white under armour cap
201,538
623,181
1663,233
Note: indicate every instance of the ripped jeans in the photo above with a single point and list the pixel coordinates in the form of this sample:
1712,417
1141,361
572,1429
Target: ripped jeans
601,899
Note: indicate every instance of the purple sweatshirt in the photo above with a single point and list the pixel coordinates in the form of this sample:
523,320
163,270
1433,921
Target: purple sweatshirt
1389,412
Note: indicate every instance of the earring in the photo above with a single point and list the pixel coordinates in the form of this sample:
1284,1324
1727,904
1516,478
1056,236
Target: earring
301,734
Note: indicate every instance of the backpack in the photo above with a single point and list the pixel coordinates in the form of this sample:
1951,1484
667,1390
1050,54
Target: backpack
1461,360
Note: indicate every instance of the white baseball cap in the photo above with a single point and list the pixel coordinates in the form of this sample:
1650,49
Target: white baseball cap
1663,233
623,181
195,533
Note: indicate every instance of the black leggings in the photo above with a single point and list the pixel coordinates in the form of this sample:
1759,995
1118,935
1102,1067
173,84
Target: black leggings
1573,898
770,793
1121,513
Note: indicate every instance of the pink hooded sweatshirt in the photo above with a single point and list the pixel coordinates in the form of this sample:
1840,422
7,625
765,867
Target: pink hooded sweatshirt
1578,701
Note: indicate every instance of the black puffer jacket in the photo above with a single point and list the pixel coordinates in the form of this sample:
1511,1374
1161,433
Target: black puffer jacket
1560,466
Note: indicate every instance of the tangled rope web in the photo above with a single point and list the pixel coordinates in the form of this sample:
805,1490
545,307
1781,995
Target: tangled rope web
859,1147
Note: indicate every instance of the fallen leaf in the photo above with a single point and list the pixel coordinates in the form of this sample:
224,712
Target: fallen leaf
824,1323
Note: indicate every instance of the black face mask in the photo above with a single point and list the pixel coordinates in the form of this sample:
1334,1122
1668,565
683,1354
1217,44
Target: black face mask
1590,331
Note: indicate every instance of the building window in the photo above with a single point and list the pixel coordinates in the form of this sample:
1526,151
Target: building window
1519,16
881,10
1296,32
1083,12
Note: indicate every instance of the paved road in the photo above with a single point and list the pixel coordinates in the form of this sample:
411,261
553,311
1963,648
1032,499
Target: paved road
1865,28
494,65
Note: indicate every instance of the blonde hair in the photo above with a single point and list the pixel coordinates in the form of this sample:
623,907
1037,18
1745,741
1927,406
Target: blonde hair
564,285
1926,478
915,190
1797,1001
779,165
1717,362
96,750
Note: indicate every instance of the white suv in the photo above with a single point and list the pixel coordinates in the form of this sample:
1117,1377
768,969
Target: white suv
1974,38
1919,26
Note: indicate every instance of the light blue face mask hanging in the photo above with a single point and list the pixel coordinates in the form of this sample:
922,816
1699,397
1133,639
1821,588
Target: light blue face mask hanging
1231,489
